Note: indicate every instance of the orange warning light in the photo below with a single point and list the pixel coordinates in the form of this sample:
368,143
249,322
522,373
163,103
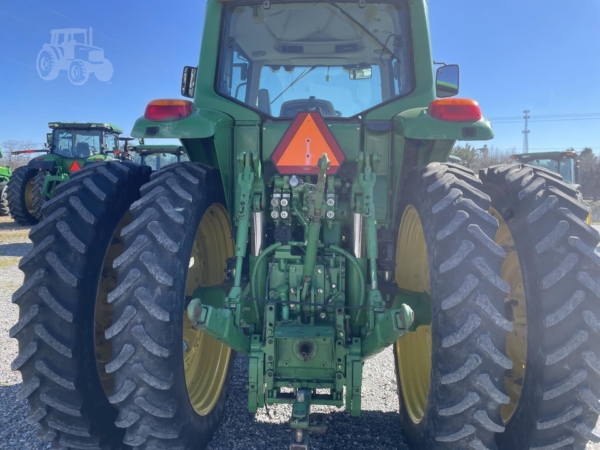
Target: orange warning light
305,141
74,167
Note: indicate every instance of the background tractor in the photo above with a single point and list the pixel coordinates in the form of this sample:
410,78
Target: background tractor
315,225
564,163
71,49
5,173
69,147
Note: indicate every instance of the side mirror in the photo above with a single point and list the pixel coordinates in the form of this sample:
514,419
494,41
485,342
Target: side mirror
361,73
188,81
447,81
48,140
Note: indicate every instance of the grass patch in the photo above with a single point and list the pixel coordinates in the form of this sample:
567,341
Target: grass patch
6,262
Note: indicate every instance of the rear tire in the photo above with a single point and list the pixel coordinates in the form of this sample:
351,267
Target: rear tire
19,194
162,250
450,373
39,198
66,274
558,405
3,199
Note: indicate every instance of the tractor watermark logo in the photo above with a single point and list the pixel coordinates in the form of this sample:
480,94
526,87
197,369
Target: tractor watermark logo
71,50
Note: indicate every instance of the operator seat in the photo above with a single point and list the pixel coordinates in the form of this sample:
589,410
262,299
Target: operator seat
82,150
292,107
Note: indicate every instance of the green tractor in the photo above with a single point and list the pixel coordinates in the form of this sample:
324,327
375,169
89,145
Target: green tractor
315,225
5,173
69,147
564,163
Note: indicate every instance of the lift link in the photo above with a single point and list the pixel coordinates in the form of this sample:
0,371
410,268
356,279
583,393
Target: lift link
314,228
250,194
364,186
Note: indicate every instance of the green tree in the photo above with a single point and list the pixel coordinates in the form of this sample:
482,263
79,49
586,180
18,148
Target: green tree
467,153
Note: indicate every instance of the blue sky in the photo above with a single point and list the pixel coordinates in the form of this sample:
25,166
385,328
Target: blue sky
514,55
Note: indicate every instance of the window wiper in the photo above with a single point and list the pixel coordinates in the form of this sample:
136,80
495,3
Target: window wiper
383,46
298,78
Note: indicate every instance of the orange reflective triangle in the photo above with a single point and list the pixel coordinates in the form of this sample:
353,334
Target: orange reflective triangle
305,141
74,167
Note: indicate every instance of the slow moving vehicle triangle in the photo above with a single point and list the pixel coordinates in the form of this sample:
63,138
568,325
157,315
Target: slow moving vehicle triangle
305,141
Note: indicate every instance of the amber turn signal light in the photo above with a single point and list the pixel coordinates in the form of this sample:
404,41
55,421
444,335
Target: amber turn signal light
455,110
161,110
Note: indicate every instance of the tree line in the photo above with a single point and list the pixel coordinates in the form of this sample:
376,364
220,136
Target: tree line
9,159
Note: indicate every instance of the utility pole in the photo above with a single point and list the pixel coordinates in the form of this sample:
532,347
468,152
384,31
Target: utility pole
526,131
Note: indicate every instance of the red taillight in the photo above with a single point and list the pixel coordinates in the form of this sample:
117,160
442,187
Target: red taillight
455,110
159,110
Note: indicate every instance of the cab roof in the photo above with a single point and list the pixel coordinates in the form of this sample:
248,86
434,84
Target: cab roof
543,155
86,126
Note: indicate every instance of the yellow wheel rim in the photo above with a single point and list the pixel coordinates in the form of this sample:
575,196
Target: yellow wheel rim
413,350
516,311
104,311
29,196
205,359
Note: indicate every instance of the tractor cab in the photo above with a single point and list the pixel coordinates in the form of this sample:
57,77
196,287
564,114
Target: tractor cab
81,141
564,163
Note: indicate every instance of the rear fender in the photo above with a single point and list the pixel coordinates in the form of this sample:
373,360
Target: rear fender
206,135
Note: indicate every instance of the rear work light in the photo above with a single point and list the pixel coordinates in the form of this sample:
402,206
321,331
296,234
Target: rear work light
455,110
160,110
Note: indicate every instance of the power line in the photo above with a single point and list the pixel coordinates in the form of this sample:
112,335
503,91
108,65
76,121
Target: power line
553,115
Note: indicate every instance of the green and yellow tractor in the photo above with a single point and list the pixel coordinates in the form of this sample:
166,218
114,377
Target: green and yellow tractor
69,147
564,163
315,225
5,173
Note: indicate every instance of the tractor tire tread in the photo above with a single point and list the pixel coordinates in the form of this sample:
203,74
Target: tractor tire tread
57,375
470,356
4,211
559,251
15,195
147,390
38,197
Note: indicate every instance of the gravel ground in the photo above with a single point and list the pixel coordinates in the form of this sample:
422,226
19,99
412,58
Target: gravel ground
377,429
